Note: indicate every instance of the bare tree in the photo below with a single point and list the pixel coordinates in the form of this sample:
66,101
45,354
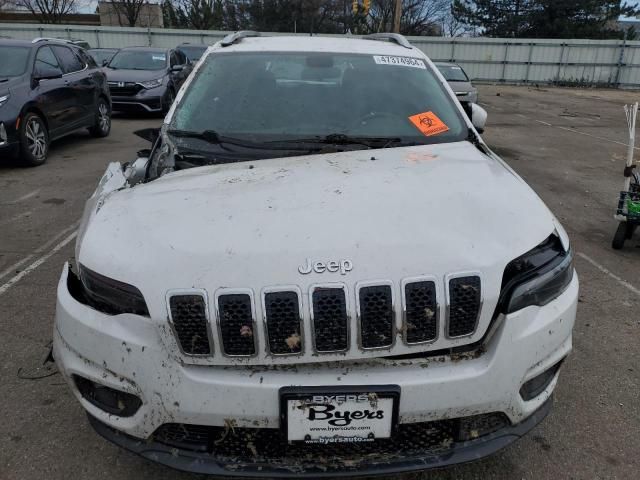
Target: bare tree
128,11
48,11
419,17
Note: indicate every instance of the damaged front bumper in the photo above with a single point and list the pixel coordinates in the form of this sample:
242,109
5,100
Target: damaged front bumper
204,418
323,464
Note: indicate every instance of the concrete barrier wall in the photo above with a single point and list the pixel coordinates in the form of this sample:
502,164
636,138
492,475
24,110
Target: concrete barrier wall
614,63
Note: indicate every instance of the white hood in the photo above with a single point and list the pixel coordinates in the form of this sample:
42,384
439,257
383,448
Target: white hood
394,213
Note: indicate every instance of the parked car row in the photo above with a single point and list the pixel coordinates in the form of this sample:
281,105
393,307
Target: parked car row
50,87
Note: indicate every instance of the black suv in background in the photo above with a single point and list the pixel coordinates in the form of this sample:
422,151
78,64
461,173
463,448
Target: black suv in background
102,56
146,79
193,51
48,88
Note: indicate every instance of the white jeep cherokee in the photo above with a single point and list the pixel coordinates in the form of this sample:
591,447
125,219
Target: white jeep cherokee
319,269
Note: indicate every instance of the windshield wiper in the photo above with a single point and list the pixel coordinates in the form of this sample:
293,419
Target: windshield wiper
214,138
342,139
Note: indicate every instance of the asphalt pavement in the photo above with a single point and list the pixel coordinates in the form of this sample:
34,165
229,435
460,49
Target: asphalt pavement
569,144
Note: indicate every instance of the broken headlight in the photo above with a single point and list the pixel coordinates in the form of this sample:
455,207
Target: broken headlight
111,296
537,277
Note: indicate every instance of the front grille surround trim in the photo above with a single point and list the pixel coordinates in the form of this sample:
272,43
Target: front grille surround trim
347,301
439,295
394,332
301,313
448,278
236,291
192,291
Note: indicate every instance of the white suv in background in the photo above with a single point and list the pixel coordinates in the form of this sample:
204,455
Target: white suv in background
320,269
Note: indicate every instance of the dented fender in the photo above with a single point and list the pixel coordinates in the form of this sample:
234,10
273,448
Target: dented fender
112,180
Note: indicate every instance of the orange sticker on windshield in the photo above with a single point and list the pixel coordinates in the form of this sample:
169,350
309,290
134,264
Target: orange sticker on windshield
428,123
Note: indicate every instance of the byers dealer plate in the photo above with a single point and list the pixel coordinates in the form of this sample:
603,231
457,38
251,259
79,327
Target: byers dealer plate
346,414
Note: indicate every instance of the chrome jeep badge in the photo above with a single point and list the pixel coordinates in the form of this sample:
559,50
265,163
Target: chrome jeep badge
342,266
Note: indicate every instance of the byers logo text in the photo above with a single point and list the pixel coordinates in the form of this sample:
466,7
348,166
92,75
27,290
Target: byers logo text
340,417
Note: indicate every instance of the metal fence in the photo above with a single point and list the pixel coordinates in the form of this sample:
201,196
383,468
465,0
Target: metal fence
574,62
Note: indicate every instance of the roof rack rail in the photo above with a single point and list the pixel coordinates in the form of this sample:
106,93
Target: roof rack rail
237,36
50,39
389,37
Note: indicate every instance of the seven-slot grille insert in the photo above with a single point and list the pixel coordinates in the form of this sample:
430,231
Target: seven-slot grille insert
330,318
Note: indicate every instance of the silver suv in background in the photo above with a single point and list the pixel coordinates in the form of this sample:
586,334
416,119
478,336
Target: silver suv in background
460,83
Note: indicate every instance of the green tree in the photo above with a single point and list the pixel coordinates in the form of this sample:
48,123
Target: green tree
543,18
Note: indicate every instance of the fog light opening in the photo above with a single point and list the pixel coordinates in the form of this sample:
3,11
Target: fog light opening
108,399
534,387
3,134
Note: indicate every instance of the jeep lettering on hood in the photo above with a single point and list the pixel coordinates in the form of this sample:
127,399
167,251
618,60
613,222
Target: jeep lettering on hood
342,266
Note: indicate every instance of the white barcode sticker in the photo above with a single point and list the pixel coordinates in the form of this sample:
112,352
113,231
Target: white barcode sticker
401,61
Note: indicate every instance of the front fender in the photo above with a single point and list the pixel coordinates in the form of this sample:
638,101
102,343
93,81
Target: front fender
112,180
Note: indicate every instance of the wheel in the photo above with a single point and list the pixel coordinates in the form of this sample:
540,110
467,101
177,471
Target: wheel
102,127
169,101
631,228
620,236
34,140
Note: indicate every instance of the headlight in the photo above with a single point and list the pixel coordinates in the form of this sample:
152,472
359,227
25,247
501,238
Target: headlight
151,83
111,296
4,99
537,277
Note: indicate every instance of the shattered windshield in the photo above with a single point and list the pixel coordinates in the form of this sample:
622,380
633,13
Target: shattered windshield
276,96
262,105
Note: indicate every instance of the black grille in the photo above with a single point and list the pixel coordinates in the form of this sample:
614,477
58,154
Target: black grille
188,314
271,446
236,324
421,312
128,89
376,316
283,322
330,320
464,305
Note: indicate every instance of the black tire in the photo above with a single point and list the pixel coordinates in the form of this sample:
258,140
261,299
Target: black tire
631,228
34,140
620,236
102,127
171,96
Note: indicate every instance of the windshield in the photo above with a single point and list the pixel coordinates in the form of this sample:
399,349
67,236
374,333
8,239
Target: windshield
453,73
101,55
13,60
139,60
265,97
193,52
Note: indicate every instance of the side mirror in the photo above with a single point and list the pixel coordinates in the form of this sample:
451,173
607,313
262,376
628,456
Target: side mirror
136,171
478,117
177,68
47,73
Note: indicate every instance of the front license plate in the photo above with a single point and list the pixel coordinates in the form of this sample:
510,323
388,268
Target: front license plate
324,415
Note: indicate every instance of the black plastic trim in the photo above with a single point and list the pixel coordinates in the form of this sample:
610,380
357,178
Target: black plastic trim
204,463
